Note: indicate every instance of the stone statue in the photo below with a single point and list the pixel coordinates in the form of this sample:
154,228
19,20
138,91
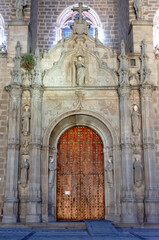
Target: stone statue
19,6
52,170
110,171
136,120
24,172
138,172
81,71
26,121
139,9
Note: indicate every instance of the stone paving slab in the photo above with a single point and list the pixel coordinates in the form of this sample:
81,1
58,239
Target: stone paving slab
96,230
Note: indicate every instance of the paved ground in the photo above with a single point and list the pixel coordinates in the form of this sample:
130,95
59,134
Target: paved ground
96,230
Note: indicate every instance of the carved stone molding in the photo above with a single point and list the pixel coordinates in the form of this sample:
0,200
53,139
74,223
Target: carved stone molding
124,92
146,91
37,92
15,91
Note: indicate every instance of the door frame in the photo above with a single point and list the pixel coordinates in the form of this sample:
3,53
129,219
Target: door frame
111,146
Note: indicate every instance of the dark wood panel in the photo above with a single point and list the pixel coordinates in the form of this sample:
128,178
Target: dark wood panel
80,171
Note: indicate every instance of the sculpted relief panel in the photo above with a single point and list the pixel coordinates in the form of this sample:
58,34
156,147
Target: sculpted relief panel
56,103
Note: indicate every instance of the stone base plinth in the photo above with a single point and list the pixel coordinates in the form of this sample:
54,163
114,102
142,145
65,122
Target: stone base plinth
10,211
129,211
152,211
33,212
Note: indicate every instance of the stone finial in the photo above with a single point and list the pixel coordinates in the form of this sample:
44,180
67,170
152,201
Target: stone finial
16,73
80,25
123,70
19,6
144,70
18,50
122,48
37,79
139,9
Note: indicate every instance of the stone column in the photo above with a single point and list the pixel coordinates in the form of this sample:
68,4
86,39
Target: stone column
34,201
128,214
15,91
151,191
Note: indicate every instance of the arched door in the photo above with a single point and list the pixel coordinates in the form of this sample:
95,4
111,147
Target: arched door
80,175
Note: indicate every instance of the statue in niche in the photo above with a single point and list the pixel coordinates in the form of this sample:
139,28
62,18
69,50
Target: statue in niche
19,6
138,172
80,71
52,171
110,171
136,120
26,121
139,9
24,172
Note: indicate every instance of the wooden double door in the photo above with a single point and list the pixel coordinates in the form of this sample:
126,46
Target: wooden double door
80,175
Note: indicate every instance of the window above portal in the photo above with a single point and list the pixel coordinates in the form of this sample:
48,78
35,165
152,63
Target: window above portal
156,29
2,25
67,17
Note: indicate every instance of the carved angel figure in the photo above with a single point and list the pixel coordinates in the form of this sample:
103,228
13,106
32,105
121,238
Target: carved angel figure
19,6
139,9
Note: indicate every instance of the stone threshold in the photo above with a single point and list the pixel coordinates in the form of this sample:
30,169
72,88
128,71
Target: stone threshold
50,225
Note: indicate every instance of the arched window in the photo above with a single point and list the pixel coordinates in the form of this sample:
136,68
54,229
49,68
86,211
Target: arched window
67,17
2,25
156,29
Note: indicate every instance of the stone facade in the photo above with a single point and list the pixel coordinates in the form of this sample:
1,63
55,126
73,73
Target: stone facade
118,98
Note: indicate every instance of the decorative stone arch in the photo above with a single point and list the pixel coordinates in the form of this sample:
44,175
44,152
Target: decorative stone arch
110,141
2,27
68,13
156,29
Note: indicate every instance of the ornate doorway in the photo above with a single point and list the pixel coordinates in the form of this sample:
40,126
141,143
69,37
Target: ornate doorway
80,175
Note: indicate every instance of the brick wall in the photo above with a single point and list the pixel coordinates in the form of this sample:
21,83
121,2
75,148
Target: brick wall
123,23
50,10
33,24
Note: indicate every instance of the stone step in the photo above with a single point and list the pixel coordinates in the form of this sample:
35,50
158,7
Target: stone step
101,227
51,225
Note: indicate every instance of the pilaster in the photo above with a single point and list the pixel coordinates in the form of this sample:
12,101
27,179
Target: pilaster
15,91
128,214
151,191
34,201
